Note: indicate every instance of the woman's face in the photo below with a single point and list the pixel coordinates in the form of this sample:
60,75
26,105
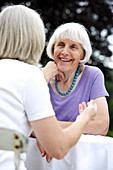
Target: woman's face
67,54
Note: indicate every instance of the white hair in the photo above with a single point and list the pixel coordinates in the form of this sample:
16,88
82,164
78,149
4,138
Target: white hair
74,31
22,34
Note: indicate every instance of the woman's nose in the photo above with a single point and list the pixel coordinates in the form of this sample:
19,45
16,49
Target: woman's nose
65,51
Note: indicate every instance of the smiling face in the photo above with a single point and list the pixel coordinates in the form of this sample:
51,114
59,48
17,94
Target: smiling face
67,54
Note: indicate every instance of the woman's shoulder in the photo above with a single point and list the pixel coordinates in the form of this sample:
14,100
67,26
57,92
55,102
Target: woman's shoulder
92,69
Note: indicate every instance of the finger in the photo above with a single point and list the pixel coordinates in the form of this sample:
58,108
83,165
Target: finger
43,153
90,102
48,158
84,105
41,149
80,108
95,105
60,76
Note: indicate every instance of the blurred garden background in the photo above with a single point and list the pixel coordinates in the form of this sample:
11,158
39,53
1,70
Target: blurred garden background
96,16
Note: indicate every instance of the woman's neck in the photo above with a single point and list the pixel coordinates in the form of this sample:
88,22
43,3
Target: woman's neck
65,83
68,85
69,75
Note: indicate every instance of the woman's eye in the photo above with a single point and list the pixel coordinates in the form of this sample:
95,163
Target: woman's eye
61,44
73,46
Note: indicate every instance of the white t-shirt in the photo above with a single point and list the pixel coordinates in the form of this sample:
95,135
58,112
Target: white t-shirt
24,97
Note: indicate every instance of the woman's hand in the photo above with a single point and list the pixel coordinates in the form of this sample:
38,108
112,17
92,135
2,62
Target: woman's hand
51,70
90,108
43,152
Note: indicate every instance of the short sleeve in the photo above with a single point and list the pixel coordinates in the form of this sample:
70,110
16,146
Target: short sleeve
98,88
36,97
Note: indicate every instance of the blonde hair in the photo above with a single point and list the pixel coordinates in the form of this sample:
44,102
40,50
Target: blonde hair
74,31
22,34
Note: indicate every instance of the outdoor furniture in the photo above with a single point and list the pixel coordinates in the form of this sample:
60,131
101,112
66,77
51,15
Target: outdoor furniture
12,140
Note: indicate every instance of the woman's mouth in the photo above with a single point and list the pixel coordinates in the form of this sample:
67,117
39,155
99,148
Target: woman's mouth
65,60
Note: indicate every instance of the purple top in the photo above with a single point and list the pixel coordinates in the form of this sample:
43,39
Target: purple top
90,86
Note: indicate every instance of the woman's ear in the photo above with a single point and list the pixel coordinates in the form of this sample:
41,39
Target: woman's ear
82,61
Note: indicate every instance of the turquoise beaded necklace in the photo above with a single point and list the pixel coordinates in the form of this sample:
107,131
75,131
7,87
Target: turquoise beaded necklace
72,85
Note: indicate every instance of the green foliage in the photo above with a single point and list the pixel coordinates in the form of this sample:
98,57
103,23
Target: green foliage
95,15
109,86
110,133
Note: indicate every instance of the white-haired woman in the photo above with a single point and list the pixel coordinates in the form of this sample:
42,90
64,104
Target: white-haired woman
70,48
24,96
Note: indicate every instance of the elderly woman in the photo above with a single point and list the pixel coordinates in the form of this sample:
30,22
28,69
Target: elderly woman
71,81
24,95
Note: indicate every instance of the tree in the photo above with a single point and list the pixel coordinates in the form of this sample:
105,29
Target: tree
95,15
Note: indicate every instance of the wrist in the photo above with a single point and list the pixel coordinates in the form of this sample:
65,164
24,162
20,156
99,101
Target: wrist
45,75
83,118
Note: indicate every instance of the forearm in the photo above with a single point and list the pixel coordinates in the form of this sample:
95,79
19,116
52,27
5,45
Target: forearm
59,144
64,124
100,124
95,127
57,141
47,78
77,128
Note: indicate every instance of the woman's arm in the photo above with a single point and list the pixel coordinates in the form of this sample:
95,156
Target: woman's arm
97,126
57,141
100,124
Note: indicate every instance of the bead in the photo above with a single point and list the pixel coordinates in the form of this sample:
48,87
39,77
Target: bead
69,91
71,88
72,85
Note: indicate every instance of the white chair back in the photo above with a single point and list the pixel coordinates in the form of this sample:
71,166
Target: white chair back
12,140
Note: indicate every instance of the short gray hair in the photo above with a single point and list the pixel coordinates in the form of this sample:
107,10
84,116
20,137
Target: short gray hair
74,31
22,34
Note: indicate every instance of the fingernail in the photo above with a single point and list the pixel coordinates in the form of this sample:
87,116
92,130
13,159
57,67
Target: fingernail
48,160
42,154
